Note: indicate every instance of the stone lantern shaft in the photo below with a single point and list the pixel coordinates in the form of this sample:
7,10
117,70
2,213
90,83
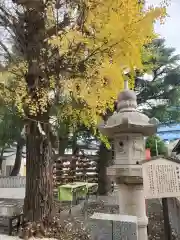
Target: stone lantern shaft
127,128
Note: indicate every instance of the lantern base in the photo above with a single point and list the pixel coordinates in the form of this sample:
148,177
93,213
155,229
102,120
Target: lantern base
124,171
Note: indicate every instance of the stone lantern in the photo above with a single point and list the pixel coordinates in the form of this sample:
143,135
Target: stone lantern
127,128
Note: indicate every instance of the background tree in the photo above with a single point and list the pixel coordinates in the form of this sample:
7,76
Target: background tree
156,145
160,95
10,132
11,124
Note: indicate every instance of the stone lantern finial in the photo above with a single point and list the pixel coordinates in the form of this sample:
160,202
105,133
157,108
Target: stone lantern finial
126,87
127,100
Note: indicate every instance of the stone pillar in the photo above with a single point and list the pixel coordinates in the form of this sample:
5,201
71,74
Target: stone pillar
132,202
123,195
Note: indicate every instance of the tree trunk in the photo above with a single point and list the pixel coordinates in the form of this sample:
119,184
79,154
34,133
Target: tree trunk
17,164
38,202
1,157
63,143
75,149
105,159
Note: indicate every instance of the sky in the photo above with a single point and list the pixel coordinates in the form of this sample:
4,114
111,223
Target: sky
171,29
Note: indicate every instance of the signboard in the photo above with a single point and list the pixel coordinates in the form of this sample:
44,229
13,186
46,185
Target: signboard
161,179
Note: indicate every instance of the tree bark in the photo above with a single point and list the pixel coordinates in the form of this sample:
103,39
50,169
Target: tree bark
105,159
38,202
17,164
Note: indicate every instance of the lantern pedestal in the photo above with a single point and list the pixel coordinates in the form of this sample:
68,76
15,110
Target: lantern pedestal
131,195
132,202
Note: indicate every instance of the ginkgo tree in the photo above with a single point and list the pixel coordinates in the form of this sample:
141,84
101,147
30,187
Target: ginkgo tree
74,57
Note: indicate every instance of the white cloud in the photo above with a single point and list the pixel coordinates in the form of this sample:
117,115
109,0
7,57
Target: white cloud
171,29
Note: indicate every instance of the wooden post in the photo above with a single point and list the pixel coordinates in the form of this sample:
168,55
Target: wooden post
167,226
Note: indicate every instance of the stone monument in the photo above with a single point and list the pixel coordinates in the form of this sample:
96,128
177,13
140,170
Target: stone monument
127,128
113,227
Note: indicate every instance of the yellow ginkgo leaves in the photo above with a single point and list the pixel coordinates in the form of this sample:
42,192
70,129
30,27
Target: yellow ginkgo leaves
86,58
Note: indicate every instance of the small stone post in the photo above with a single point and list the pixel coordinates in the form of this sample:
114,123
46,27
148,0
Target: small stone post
127,128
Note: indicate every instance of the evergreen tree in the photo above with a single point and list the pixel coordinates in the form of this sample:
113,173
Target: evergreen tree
156,145
160,96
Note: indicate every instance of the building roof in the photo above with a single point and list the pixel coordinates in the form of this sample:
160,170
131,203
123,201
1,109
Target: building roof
176,148
169,132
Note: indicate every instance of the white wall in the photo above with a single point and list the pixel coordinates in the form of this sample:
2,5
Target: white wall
14,193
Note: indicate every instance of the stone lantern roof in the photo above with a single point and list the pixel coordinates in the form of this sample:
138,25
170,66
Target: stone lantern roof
127,119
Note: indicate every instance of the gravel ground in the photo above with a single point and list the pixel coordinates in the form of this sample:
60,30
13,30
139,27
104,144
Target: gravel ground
5,237
109,205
